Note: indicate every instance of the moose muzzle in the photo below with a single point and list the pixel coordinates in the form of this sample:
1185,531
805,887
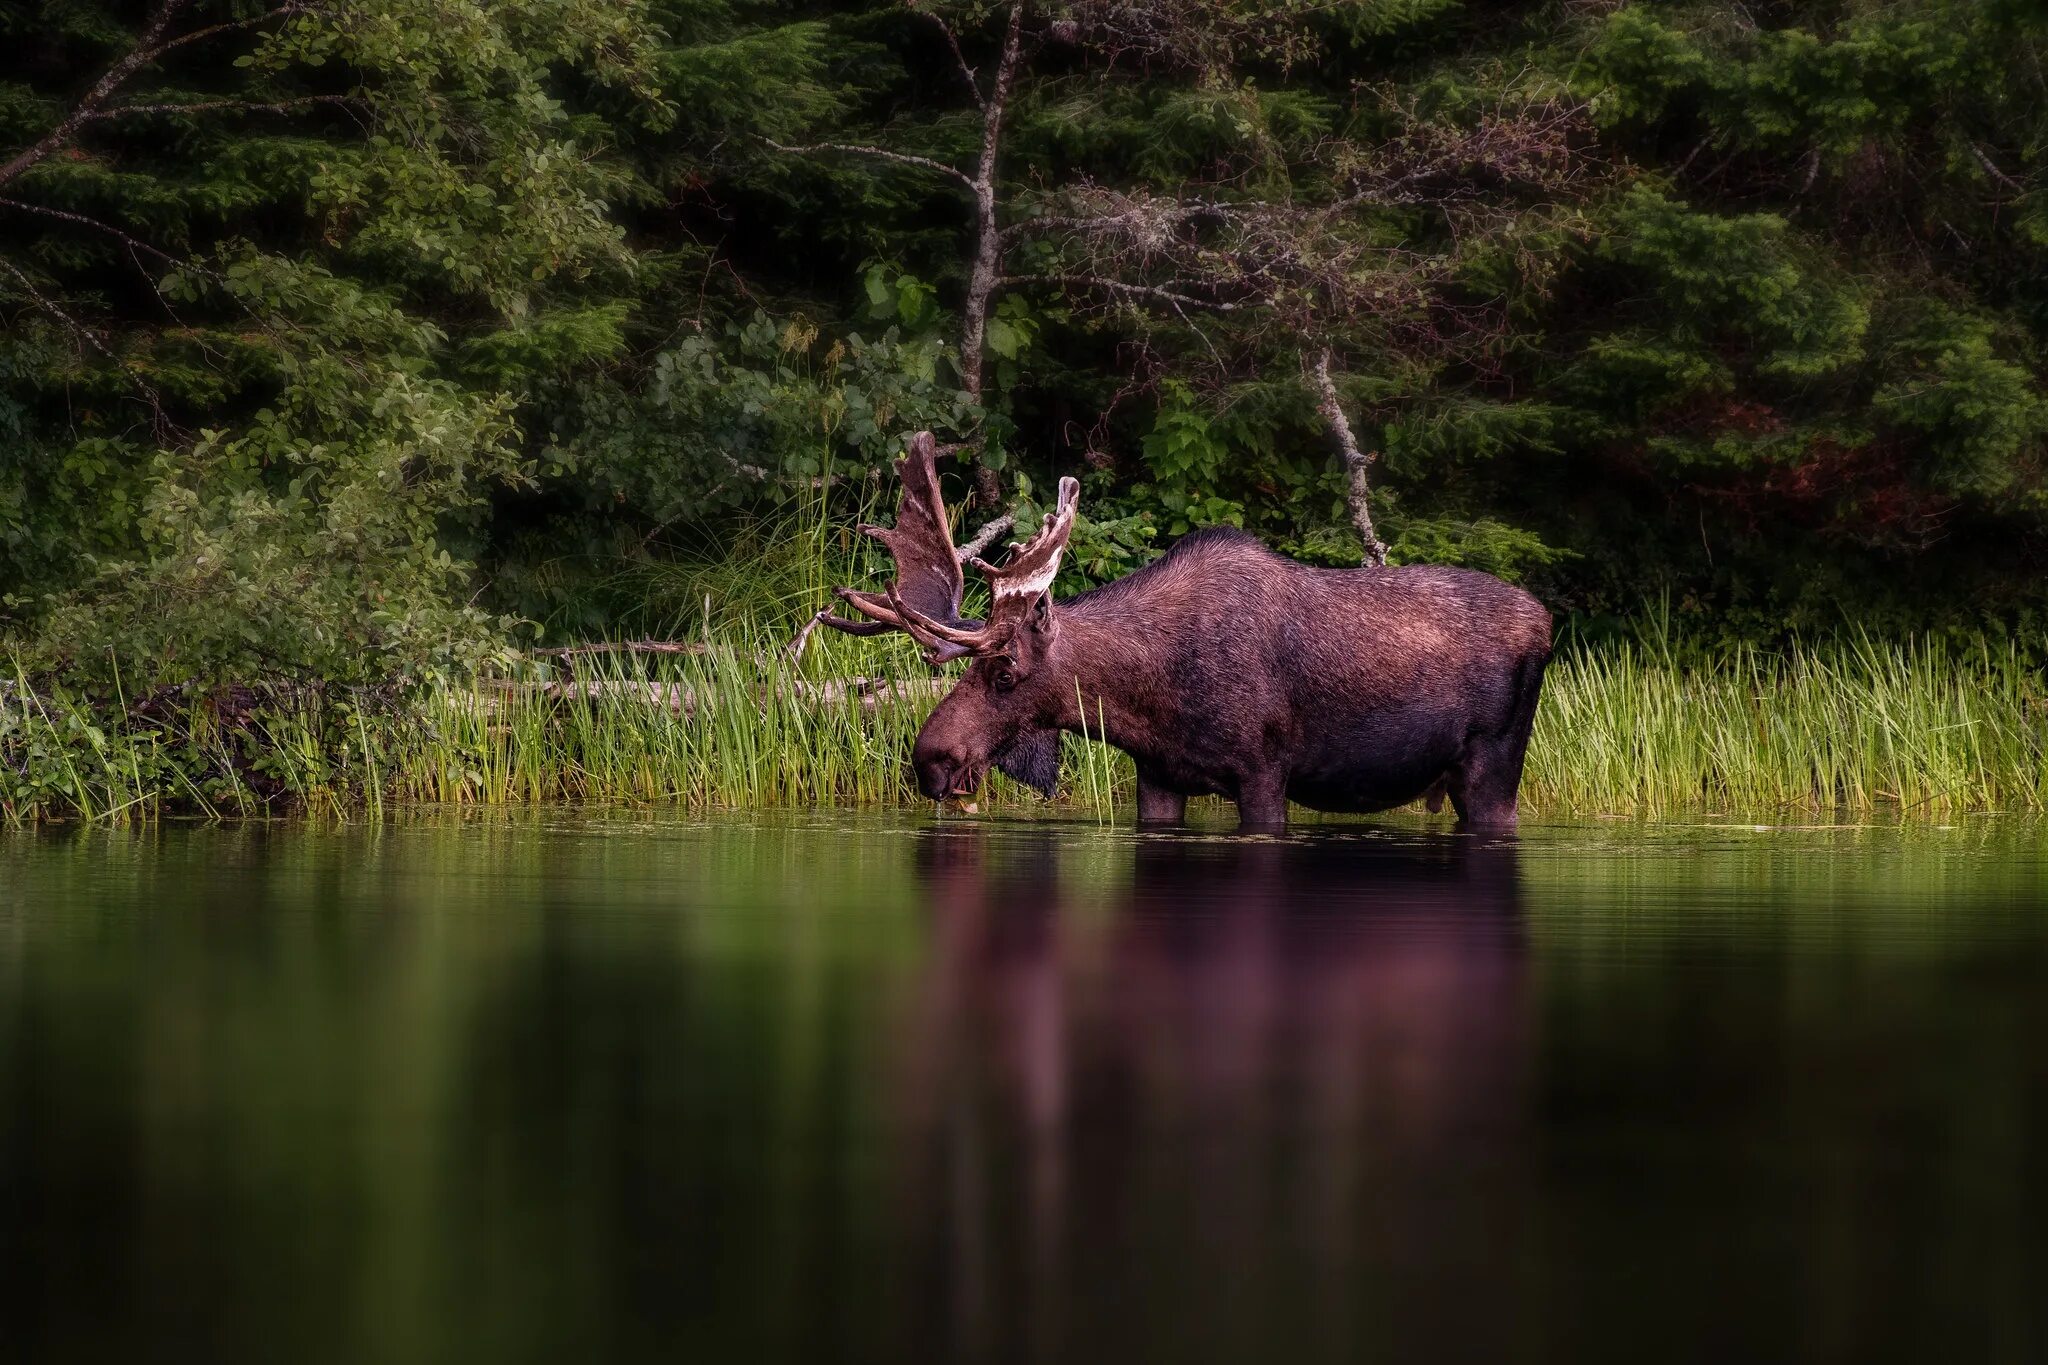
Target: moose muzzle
943,773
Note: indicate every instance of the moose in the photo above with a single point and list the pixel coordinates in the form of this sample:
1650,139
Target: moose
1221,667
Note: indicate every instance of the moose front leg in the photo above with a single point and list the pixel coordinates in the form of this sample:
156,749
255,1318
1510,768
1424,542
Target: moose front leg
1262,802
1159,806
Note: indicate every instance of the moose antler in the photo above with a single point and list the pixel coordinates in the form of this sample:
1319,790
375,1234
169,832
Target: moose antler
1017,585
928,579
921,543
924,600
1031,569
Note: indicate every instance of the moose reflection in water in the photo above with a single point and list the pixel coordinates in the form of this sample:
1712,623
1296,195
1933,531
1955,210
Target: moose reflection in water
1315,1049
1221,668
876,1089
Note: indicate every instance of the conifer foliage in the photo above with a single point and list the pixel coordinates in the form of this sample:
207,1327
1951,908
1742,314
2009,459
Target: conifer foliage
272,274
331,331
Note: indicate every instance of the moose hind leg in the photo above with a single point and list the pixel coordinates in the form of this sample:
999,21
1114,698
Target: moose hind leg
1159,806
1484,790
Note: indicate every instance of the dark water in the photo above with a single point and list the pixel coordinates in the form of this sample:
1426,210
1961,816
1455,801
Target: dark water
754,1091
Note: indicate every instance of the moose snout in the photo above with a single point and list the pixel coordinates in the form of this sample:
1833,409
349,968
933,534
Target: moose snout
934,779
943,771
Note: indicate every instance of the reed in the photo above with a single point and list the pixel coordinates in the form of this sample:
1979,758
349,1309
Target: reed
730,726
1851,726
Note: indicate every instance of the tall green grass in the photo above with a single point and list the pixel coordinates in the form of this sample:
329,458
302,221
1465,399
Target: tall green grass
1853,726
729,727
1858,727
1846,726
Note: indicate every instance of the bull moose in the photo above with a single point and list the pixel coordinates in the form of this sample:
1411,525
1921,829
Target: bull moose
1221,667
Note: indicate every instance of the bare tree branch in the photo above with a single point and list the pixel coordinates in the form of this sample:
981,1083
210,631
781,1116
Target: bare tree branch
882,153
49,305
80,220
985,537
1191,35
953,42
158,420
1357,463
151,46
1160,210
117,74
1312,268
1991,169
1347,267
1124,289
284,11
209,106
988,242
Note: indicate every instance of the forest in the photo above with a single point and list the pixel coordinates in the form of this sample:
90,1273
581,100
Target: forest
355,349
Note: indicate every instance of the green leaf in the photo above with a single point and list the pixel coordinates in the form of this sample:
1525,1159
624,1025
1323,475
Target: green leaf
1003,339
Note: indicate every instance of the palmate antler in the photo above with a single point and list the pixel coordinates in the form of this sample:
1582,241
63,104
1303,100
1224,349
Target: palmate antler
1017,586
924,601
927,566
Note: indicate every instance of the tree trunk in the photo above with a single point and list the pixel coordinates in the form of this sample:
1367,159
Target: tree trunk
988,245
1357,463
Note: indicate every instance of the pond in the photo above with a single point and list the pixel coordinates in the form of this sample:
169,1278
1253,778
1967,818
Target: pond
896,1089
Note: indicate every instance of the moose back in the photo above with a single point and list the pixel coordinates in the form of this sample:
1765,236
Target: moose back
1220,668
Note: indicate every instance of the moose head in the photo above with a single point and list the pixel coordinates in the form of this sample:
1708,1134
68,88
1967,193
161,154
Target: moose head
1006,708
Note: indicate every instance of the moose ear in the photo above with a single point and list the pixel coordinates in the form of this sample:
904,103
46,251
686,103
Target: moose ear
1041,611
1033,758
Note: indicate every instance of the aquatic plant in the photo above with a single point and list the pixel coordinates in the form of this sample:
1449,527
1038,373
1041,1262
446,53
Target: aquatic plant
1853,726
1916,728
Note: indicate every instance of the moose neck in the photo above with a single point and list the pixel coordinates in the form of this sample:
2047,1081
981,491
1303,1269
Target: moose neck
1116,668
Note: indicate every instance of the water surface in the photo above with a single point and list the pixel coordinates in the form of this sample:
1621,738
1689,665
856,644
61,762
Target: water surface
863,1089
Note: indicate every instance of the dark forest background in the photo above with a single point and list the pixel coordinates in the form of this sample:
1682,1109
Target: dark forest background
363,339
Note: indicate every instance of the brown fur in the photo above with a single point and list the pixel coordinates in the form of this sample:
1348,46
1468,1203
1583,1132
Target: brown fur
1226,668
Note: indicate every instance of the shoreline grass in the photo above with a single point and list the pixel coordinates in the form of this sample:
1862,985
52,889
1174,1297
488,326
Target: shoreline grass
1851,727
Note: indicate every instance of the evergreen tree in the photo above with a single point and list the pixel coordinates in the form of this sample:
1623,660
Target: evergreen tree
307,305
272,276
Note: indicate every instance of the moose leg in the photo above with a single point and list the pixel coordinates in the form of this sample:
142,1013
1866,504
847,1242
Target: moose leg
1157,805
1484,787
1483,795
1262,802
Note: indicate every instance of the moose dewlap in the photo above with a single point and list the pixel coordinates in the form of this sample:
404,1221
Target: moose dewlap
1221,668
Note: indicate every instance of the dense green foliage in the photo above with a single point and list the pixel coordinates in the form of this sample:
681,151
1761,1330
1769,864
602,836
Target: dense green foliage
342,339
267,308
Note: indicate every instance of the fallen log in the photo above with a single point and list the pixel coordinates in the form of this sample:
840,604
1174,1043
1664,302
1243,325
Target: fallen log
621,647
868,693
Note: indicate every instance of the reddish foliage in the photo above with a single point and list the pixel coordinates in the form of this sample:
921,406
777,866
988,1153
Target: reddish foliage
1865,493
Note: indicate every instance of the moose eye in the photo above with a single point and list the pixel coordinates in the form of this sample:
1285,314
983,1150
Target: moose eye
1004,680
